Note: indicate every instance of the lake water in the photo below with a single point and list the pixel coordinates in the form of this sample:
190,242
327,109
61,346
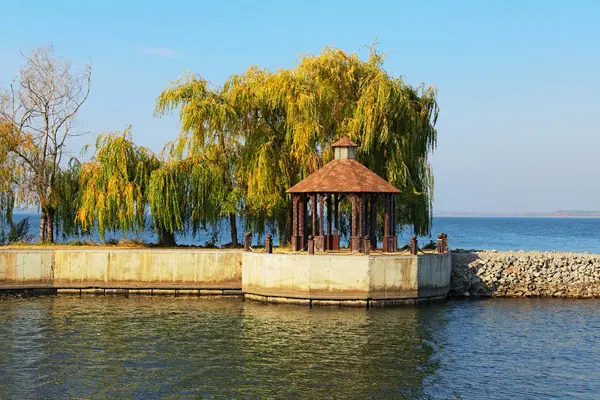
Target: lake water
172,347
547,234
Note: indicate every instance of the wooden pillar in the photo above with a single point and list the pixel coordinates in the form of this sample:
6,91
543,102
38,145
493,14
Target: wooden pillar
413,246
373,230
394,223
361,220
320,239
386,223
313,201
353,217
361,214
247,241
329,240
305,220
336,204
301,221
336,236
295,244
269,243
367,228
389,237
393,231
354,236
321,215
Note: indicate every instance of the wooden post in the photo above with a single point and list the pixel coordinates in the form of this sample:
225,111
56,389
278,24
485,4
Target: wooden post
247,241
361,220
354,236
295,215
301,222
269,243
373,230
337,214
413,246
329,241
440,244
353,216
386,224
367,229
389,235
321,215
336,239
367,245
361,215
311,244
304,221
336,236
394,223
313,201
320,240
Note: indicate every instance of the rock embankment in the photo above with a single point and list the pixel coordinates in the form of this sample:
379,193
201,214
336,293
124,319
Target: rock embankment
525,274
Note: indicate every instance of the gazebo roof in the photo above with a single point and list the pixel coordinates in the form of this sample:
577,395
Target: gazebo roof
343,176
344,142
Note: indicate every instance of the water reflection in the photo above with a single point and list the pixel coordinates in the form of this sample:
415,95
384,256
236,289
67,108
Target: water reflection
167,347
353,353
146,347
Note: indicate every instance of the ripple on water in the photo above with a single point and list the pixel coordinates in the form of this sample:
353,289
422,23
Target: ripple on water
166,347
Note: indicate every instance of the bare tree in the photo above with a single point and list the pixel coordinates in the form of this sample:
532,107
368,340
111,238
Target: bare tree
40,107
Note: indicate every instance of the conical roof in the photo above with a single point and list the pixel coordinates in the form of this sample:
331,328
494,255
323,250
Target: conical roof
343,176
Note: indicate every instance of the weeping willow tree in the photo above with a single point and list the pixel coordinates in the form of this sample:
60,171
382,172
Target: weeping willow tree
294,115
284,121
64,199
124,182
114,185
210,149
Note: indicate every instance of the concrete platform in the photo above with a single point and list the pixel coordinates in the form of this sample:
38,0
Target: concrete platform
345,280
311,280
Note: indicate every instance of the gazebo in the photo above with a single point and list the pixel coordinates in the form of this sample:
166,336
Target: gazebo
343,178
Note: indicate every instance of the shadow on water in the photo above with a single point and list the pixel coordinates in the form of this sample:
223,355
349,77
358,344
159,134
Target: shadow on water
153,347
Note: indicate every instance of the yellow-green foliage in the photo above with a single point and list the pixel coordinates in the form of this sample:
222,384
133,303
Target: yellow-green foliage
208,148
281,124
125,181
114,185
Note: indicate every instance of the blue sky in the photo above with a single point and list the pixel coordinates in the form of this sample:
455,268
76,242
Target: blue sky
518,81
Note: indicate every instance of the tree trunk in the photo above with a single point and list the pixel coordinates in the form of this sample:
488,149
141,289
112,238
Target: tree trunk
234,232
166,238
50,226
43,227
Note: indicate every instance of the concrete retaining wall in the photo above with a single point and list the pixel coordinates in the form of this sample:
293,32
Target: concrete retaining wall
343,277
434,274
27,268
355,280
197,269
